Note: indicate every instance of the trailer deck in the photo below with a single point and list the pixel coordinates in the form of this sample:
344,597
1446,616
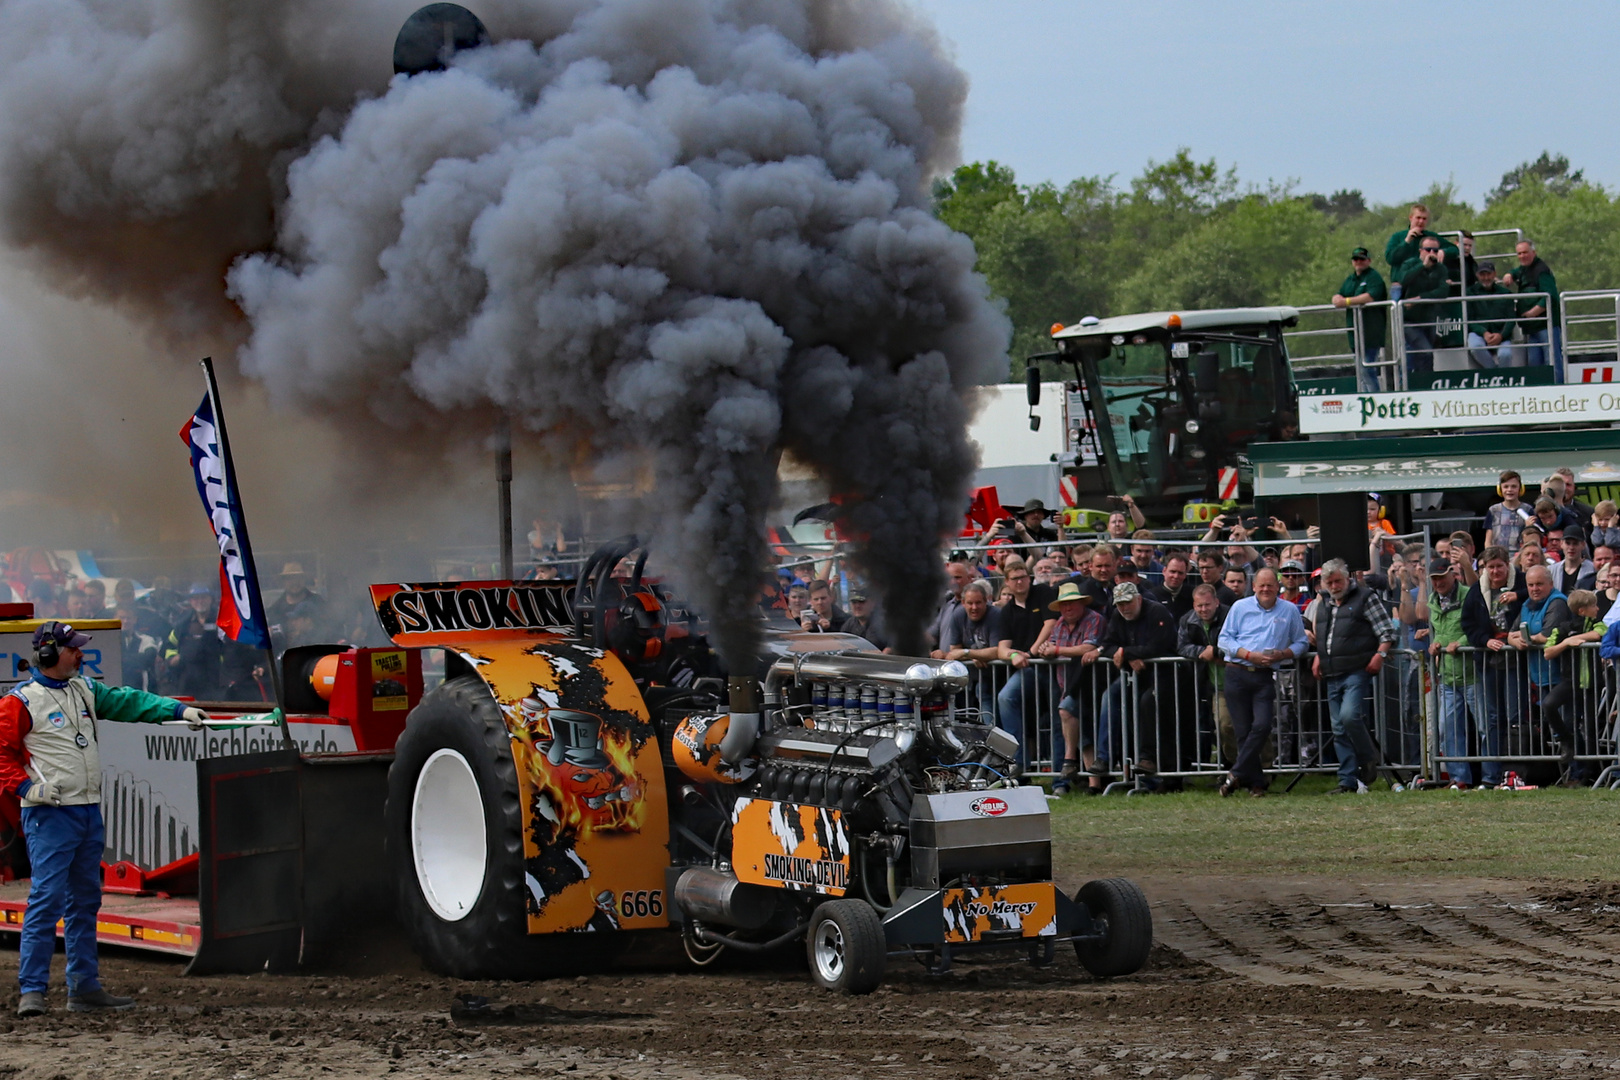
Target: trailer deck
167,924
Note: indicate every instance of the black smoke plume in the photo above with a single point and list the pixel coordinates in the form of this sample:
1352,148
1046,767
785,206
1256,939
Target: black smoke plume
696,230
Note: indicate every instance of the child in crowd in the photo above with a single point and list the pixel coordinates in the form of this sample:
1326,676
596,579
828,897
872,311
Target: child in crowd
1569,708
1605,525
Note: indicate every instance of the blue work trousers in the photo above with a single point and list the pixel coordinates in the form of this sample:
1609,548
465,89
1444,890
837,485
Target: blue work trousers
1010,706
64,848
1460,706
1347,704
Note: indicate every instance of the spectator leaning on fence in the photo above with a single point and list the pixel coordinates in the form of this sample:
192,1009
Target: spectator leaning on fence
1138,630
1457,675
1025,618
1490,319
1073,636
1545,338
1544,615
1198,635
1261,634
1354,635
1490,612
1364,286
1569,709
973,636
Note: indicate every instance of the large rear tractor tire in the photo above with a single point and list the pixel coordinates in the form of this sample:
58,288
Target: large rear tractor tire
455,839
846,946
1120,911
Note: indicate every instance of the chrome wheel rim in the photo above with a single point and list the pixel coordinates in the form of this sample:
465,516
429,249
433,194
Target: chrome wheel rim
829,951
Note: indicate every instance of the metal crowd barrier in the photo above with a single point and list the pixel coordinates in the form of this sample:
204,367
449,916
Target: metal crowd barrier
1166,715
1494,711
1316,346
1506,709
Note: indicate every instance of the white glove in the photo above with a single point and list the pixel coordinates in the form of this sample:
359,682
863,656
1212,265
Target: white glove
196,718
44,791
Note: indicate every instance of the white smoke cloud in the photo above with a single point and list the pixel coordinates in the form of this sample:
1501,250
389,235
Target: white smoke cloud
695,228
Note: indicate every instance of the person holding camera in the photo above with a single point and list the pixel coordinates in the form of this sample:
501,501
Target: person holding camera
49,761
1028,527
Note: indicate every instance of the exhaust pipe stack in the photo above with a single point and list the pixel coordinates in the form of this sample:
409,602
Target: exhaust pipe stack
744,727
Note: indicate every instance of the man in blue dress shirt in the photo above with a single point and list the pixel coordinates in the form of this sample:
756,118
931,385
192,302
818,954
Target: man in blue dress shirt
1259,636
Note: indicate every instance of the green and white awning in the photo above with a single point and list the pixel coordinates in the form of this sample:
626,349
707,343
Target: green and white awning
1432,462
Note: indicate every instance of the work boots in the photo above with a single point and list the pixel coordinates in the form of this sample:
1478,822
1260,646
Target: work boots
98,1000
32,1004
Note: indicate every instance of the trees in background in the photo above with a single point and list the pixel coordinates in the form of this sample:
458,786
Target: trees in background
1187,234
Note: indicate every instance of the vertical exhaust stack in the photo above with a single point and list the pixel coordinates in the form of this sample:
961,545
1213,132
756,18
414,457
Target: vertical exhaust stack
744,727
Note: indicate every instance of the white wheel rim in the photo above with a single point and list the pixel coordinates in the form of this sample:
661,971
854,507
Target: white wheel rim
447,835
829,951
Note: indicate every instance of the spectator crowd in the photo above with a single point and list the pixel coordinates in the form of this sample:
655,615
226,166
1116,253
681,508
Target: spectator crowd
1427,276
171,643
1246,652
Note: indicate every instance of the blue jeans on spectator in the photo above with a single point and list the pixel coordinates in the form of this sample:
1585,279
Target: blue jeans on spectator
1347,704
1368,378
1457,705
1404,729
1112,717
1537,350
64,849
1499,698
1490,356
1010,707
1419,350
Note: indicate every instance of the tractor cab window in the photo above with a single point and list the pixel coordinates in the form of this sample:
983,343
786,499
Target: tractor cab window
1247,385
1140,393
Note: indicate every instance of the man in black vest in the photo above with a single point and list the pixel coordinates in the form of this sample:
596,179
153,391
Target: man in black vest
1138,630
1354,634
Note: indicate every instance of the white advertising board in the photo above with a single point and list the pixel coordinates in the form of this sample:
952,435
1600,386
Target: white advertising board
1428,410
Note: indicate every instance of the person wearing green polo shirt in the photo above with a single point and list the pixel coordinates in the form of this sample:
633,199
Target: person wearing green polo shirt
1490,321
1402,252
1425,328
1364,286
1545,339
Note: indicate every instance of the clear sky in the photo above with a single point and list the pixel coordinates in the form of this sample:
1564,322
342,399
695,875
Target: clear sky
1385,97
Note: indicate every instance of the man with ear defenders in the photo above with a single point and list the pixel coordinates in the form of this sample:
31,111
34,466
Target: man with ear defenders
49,760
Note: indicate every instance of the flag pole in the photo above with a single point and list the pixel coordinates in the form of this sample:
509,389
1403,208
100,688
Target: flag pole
242,541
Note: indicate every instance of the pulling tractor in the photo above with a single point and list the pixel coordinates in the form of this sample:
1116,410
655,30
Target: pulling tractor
554,792
584,774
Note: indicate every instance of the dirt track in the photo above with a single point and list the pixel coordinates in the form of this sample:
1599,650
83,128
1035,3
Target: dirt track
1304,978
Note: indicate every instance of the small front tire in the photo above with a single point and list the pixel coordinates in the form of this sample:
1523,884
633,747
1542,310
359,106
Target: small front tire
1120,912
846,947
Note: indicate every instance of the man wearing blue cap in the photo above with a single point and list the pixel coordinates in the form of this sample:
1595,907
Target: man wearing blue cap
49,760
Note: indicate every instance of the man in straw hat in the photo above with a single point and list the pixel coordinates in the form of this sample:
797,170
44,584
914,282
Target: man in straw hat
296,596
1072,637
